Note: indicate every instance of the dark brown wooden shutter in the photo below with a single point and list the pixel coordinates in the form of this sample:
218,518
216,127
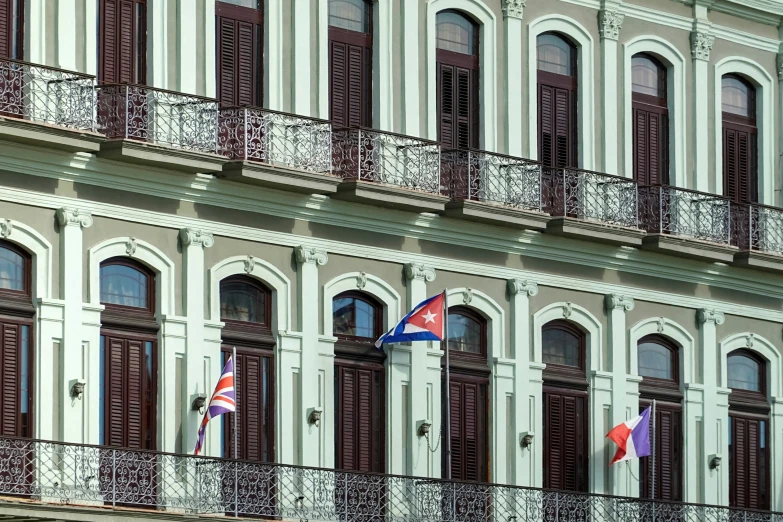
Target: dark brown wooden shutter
458,106
123,43
11,384
748,464
565,430
359,412
668,455
557,126
446,104
11,29
650,142
350,80
739,164
468,430
239,50
136,394
115,401
253,380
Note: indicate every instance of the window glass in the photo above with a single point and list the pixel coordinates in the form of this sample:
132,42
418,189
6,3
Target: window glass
240,301
655,361
464,333
353,15
11,270
252,4
455,33
555,55
647,76
736,96
354,317
123,285
744,373
560,347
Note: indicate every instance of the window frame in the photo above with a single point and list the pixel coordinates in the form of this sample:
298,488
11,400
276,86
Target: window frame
467,61
139,62
249,15
736,119
362,38
150,309
248,333
656,385
572,374
483,341
560,80
377,319
746,399
27,276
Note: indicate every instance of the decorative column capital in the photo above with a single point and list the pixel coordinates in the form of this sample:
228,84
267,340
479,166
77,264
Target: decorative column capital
779,64
196,237
513,8
419,272
72,217
617,302
522,286
701,45
706,316
305,254
5,228
609,24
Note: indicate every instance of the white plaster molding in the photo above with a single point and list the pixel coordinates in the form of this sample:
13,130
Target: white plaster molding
147,254
609,23
765,122
701,45
5,228
39,248
68,216
419,272
522,286
193,236
262,270
676,89
487,67
361,280
307,254
130,246
674,331
779,66
467,296
710,316
250,264
765,348
586,73
374,286
513,8
578,315
273,67
616,301
491,311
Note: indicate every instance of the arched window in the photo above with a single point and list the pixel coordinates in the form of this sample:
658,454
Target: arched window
557,100
244,300
650,120
350,59
658,361
457,43
748,430
239,28
126,284
356,316
740,137
467,332
565,406
14,270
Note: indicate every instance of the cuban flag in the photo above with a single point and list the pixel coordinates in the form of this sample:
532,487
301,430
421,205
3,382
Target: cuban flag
632,438
424,323
222,401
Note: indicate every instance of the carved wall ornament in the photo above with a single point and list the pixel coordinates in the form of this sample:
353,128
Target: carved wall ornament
73,217
250,264
361,280
710,316
130,246
567,310
5,228
419,272
661,325
522,286
610,23
193,236
780,66
701,45
513,8
749,339
305,254
467,296
616,301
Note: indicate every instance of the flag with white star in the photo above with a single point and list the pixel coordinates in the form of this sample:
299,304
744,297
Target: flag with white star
424,323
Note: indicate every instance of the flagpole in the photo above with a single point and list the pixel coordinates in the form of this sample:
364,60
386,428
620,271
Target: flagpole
652,443
445,341
236,447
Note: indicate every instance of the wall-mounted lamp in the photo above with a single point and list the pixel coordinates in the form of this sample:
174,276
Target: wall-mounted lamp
714,461
526,439
77,388
424,428
315,416
199,402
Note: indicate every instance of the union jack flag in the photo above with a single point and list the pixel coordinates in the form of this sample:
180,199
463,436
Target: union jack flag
222,401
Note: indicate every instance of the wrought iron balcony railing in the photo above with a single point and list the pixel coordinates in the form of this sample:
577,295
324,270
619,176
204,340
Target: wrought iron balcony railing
58,473
757,227
137,112
276,138
475,175
583,194
383,157
46,95
686,213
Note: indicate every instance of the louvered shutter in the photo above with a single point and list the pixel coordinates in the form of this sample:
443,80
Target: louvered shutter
557,126
446,105
136,394
546,124
650,146
252,378
227,62
114,399
364,420
337,87
126,33
350,84
748,466
239,404
740,181
640,141
565,459
10,29
239,43
463,112
457,440
122,22
11,385
109,41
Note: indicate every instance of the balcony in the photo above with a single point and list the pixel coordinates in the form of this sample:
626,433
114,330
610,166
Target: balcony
48,107
493,188
386,169
277,150
41,480
757,230
158,128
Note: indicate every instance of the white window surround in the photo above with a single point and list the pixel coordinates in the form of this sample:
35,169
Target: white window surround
578,315
41,252
259,269
365,283
487,67
671,330
490,310
675,91
143,252
765,106
586,75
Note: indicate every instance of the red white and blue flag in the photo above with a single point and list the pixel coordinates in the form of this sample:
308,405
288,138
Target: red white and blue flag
632,438
424,323
222,401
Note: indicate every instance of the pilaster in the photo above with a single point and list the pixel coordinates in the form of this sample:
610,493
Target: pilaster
66,34
514,29
715,421
779,65
301,36
157,44
424,395
701,46
525,460
187,50
411,120
74,349
312,368
610,21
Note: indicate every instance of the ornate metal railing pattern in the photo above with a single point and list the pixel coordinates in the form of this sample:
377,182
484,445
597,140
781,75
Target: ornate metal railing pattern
383,157
154,115
495,178
276,138
757,227
46,95
584,194
58,473
681,212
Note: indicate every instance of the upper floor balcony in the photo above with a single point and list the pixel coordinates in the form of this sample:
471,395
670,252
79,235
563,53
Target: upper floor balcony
37,475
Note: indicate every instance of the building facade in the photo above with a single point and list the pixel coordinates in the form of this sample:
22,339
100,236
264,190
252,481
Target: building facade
595,183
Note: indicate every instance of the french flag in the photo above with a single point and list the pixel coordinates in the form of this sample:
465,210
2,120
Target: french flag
424,323
632,438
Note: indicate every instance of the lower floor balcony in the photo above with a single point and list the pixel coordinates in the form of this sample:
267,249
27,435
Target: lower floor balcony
42,475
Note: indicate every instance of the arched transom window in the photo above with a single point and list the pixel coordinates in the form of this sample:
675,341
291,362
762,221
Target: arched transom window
557,100
745,371
126,283
356,315
657,359
352,15
556,55
245,300
456,33
13,269
467,331
562,345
